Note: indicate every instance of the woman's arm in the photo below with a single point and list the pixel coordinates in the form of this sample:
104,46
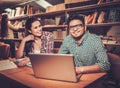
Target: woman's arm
12,26
20,51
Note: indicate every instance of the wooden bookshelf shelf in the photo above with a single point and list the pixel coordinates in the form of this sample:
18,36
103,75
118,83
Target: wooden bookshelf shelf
46,27
19,18
54,26
117,44
43,15
15,39
81,8
58,40
93,6
20,30
103,24
48,14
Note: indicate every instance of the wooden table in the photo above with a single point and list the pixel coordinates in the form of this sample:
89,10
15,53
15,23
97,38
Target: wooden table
25,76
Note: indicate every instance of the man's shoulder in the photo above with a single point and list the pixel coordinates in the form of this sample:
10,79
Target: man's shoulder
94,39
67,38
93,36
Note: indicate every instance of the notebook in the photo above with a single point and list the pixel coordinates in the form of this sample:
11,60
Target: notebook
54,66
7,64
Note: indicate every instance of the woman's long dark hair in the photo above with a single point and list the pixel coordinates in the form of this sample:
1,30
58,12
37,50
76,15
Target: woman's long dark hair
4,26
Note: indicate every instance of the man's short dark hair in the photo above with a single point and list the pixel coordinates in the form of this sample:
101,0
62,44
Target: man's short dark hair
75,16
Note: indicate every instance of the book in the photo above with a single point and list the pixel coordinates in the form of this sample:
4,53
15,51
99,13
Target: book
114,15
59,34
17,9
95,17
7,64
101,17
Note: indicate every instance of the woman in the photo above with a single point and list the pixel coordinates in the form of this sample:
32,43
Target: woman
7,28
6,33
36,41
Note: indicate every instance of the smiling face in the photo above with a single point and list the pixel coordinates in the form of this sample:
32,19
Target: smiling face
76,28
36,29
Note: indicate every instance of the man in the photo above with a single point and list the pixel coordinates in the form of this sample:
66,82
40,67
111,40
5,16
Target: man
88,50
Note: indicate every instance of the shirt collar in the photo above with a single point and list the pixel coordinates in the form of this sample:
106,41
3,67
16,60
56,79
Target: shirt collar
85,36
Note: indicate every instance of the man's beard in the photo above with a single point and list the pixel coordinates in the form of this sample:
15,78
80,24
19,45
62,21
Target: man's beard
79,37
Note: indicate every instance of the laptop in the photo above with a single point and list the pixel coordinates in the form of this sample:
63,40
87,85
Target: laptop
54,66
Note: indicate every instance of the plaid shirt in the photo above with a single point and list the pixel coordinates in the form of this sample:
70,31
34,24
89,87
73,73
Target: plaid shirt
47,42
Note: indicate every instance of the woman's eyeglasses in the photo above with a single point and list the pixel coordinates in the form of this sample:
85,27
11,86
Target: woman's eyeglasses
78,26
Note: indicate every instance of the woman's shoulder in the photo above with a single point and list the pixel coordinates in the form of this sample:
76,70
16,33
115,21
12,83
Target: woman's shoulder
68,38
47,34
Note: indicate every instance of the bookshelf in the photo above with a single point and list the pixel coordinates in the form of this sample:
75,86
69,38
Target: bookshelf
81,9
88,8
85,10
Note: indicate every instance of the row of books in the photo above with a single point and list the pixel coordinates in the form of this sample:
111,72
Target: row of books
21,11
111,15
95,17
59,34
47,22
58,20
104,1
77,3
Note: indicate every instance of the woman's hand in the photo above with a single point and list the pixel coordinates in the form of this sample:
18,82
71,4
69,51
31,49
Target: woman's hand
28,38
23,62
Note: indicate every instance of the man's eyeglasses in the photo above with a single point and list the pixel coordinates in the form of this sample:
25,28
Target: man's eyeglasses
76,26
